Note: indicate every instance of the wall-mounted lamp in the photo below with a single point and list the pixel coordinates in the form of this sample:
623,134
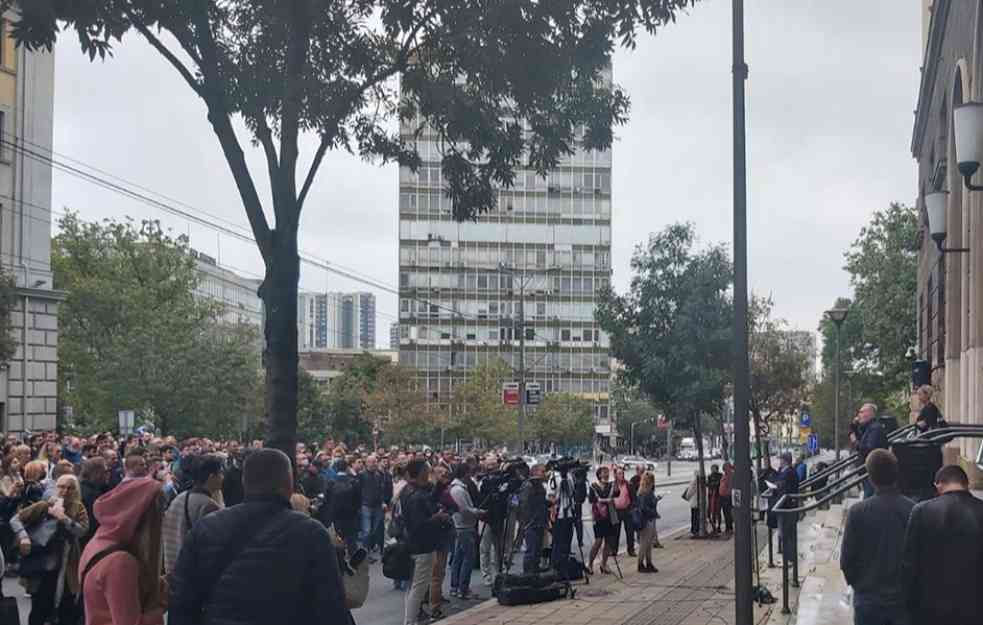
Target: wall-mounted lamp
935,204
967,121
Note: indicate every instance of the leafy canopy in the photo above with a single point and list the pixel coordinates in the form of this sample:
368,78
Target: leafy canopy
134,336
500,83
672,330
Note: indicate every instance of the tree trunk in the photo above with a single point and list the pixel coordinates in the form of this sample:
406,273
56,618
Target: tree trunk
279,295
702,479
724,443
757,440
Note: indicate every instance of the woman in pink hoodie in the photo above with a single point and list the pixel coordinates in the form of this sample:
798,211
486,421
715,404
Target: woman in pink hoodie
120,567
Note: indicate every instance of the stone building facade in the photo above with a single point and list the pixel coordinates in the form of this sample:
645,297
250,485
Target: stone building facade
950,286
29,383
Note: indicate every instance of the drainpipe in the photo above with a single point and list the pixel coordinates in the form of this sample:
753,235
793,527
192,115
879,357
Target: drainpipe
23,373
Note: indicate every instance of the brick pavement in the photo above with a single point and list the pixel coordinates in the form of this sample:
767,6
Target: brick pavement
694,586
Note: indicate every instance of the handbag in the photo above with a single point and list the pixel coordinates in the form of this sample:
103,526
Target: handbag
397,563
623,500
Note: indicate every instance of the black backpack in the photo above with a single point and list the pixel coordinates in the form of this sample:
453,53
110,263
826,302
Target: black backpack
344,504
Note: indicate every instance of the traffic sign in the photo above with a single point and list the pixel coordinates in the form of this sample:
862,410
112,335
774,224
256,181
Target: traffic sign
804,434
662,423
813,443
534,393
805,420
510,393
127,419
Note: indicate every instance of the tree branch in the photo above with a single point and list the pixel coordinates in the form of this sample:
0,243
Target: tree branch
218,114
165,52
399,63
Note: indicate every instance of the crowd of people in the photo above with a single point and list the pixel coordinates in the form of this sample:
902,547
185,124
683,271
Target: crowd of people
99,529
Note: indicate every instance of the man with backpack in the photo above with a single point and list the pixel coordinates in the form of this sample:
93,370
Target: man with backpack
258,562
206,473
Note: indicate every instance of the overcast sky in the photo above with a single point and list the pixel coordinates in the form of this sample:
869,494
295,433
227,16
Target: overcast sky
830,97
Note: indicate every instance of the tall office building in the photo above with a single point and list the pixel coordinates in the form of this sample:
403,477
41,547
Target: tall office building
29,381
545,250
394,335
336,320
237,294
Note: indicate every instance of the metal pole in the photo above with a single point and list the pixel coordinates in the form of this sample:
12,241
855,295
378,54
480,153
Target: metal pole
669,450
631,439
781,539
771,549
744,604
522,364
836,392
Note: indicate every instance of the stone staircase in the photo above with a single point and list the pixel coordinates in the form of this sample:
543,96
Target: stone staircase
823,597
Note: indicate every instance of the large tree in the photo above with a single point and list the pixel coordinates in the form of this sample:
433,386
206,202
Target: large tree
564,420
780,371
499,85
134,336
883,267
477,411
672,330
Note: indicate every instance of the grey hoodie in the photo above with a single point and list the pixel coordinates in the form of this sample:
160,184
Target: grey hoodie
467,515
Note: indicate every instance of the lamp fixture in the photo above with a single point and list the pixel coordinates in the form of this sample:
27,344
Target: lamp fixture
935,205
837,315
967,122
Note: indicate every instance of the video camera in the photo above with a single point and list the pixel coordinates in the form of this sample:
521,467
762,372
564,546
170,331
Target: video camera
569,465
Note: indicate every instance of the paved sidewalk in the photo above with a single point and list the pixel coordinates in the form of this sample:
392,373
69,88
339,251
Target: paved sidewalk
694,586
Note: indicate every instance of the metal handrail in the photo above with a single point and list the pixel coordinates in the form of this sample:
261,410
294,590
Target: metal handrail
777,509
838,466
829,485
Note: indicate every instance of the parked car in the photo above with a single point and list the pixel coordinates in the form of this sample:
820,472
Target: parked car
633,461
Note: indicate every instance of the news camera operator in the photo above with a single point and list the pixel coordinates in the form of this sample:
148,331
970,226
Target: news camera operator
494,498
566,492
532,516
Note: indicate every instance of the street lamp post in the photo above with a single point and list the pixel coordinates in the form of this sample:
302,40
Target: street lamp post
837,316
741,487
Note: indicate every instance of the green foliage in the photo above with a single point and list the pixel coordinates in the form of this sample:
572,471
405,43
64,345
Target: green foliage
501,85
313,410
563,419
8,304
883,267
133,336
882,320
478,412
780,370
672,330
398,405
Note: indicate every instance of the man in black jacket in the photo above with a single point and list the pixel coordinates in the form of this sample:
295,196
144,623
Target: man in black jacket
346,504
372,484
426,526
942,569
259,562
873,540
532,517
872,437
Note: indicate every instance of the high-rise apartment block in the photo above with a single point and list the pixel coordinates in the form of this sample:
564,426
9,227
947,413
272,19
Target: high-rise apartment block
545,252
29,382
336,320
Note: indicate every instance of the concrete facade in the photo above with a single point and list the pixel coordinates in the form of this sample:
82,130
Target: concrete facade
950,286
29,384
237,294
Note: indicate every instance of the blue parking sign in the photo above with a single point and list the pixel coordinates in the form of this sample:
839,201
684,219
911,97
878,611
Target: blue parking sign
813,443
805,420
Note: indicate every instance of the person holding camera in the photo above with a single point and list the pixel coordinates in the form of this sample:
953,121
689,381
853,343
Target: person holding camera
566,494
490,547
425,527
532,517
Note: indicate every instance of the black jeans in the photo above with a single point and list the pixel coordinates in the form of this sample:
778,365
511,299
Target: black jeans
562,536
629,531
727,505
43,602
534,548
694,521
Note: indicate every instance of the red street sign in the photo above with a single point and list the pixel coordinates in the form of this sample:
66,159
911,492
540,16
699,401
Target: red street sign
510,393
662,423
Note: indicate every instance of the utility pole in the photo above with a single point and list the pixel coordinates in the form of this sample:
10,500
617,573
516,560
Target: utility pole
522,364
744,608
